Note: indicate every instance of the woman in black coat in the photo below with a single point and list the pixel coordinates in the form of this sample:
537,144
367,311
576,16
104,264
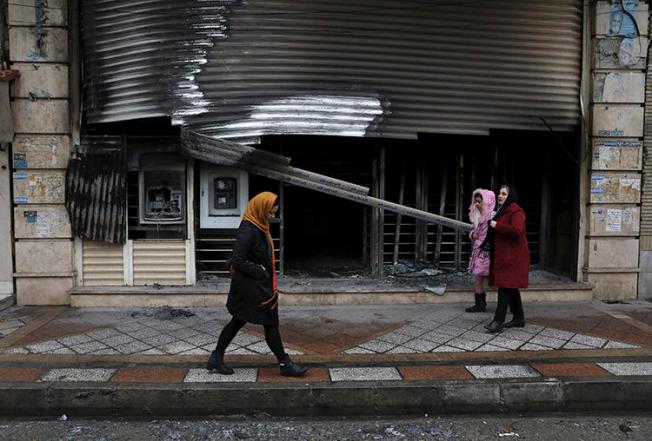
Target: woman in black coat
253,297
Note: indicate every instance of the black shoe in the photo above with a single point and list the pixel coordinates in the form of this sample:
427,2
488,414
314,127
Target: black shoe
514,323
480,303
494,327
216,362
291,369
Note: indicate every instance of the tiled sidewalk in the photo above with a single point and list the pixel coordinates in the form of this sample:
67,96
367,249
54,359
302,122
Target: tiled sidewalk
407,330
332,375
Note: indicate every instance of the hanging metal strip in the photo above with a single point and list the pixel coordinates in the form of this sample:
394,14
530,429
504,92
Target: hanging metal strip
215,151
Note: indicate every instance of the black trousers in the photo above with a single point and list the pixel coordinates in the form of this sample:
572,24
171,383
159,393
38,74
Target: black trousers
509,297
272,337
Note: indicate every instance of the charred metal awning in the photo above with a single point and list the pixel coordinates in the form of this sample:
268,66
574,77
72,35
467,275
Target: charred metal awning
270,165
96,189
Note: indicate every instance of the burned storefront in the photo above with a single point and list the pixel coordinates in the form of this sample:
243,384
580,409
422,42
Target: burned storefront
189,108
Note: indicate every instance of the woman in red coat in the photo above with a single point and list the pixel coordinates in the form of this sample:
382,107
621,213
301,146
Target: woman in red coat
510,262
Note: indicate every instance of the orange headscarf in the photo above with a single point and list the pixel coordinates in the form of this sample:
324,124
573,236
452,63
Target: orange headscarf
257,210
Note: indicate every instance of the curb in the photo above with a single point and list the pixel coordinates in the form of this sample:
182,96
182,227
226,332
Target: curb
319,399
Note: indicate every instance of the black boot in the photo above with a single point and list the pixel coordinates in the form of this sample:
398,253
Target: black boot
480,303
291,369
515,323
494,326
216,362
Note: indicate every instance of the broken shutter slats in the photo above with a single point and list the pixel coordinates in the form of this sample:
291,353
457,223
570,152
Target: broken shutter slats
96,191
207,149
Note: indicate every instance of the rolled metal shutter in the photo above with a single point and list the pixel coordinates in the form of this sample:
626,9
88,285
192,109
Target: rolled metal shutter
384,68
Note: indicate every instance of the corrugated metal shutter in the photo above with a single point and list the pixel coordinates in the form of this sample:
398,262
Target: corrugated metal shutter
102,264
646,188
162,262
385,68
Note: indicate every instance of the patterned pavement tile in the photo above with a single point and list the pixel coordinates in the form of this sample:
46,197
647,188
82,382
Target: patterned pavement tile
20,374
358,350
412,331
260,348
619,345
491,348
11,324
272,375
244,339
531,328
196,351
5,332
203,376
201,339
378,346
61,351
435,373
184,333
463,343
45,346
18,350
118,340
421,345
149,375
151,352
176,347
436,337
453,331
76,375
133,347
624,369
481,337
143,333
557,333
589,340
73,340
240,351
107,351
573,345
534,347
364,374
502,371
396,338
158,340
103,333
402,350
570,370
549,342
87,348
515,334
505,342
445,348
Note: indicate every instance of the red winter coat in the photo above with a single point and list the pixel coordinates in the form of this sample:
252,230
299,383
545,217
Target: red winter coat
510,263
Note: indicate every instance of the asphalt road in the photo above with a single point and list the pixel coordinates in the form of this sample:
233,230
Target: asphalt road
263,427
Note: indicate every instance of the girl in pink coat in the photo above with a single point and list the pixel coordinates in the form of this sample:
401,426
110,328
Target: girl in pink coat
480,213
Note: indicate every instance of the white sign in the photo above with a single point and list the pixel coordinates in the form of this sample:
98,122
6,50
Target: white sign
614,220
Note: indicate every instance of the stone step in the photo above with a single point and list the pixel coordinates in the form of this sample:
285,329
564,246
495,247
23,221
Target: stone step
150,296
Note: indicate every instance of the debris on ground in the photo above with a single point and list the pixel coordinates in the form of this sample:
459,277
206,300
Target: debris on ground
163,313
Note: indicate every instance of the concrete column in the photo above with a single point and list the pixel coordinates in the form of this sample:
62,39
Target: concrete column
39,49
611,258
7,267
